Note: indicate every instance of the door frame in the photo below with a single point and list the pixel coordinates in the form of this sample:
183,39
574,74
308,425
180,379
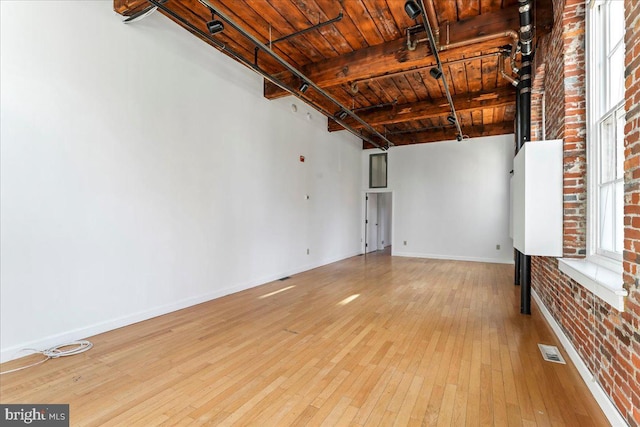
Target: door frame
363,223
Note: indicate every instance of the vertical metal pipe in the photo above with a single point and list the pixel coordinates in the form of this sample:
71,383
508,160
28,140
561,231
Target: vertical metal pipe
516,274
518,119
517,254
525,136
525,290
525,99
524,114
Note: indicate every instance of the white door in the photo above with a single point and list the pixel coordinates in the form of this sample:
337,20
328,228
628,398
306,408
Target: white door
371,237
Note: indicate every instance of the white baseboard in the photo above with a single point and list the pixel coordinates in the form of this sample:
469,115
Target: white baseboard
451,257
607,406
15,352
84,332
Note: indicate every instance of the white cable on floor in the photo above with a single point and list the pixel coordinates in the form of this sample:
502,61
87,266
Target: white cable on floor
55,352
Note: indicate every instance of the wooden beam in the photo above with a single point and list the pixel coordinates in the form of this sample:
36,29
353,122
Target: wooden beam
464,103
129,7
394,56
449,134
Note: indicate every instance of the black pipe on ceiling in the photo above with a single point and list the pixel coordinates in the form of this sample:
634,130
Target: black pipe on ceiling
523,128
308,29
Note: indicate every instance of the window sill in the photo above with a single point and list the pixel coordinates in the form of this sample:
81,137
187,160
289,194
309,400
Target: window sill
606,284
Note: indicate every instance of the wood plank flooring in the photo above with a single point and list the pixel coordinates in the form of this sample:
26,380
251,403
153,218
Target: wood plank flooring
373,340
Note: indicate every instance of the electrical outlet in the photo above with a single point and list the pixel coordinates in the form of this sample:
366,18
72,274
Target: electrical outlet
497,247
405,243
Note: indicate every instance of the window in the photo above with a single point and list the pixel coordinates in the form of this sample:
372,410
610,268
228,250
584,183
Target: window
601,271
378,170
606,120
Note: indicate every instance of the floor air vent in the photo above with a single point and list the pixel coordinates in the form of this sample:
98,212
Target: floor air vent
550,353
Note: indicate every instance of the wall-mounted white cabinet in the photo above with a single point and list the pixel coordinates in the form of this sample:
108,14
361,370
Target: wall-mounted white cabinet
537,198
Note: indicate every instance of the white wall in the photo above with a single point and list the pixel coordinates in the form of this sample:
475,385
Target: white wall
142,171
384,219
451,199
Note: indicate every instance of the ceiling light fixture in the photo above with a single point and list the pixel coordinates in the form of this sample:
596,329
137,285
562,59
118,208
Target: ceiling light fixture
304,86
412,9
215,26
341,114
435,72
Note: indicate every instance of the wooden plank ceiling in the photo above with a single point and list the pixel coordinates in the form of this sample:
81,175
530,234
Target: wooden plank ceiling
364,61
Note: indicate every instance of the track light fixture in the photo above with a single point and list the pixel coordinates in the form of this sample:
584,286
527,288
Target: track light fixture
341,114
435,72
451,119
412,9
304,86
215,26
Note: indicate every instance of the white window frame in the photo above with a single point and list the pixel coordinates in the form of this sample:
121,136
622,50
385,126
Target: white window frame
601,271
596,254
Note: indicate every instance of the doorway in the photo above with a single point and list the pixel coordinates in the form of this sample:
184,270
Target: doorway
377,221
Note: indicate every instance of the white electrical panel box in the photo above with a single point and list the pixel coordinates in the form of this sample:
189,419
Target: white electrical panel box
537,198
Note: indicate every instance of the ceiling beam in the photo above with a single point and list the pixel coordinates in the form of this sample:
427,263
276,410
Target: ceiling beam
129,7
394,56
449,134
464,103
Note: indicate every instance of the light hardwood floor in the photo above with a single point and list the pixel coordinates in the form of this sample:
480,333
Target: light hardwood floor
373,340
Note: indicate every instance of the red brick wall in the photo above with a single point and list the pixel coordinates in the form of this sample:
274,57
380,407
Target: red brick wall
631,316
632,146
574,130
537,97
607,340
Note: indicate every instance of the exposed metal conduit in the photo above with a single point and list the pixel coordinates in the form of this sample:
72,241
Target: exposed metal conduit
299,74
306,30
412,45
222,47
506,76
373,107
433,20
509,33
434,48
